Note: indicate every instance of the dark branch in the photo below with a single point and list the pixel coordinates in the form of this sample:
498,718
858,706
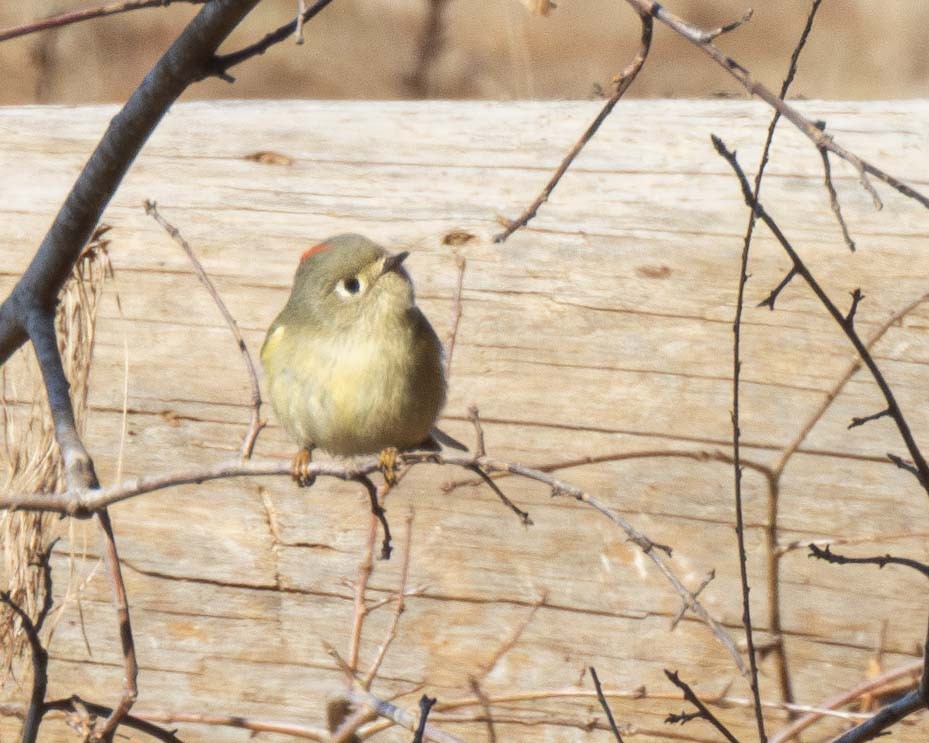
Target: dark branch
906,467
833,196
222,63
523,516
860,421
829,556
75,703
378,510
775,292
425,705
857,296
605,705
702,710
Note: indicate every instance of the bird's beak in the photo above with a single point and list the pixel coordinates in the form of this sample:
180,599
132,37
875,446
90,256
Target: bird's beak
392,262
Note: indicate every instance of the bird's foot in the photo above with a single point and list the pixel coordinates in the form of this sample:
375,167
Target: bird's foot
387,463
299,469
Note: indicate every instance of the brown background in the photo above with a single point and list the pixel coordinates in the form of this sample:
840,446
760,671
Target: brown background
493,49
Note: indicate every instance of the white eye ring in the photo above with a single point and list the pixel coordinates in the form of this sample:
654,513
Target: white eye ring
350,287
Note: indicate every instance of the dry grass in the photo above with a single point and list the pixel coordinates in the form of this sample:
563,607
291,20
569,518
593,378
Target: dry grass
29,458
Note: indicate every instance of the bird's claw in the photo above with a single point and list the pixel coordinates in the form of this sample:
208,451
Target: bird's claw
387,463
299,469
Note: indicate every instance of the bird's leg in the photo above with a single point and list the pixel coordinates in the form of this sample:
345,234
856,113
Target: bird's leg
387,462
299,468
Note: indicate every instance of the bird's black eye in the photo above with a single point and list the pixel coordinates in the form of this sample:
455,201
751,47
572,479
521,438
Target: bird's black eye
352,285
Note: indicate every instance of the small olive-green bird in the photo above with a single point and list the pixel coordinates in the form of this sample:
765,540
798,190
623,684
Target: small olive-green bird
353,365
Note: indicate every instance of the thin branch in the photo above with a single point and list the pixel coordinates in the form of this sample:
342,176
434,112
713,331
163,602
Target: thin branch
776,291
77,705
860,421
703,710
378,510
834,197
391,633
771,531
86,14
523,515
221,63
255,424
827,707
121,602
921,467
895,711
605,705
707,579
622,83
825,553
822,140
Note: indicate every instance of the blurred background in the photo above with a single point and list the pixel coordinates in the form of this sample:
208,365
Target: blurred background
494,49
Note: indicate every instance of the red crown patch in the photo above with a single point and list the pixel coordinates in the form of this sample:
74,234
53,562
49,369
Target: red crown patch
313,251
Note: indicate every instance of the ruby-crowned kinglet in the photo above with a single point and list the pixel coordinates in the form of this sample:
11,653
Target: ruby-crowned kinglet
353,365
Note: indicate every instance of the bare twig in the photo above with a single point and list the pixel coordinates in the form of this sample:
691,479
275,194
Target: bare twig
222,63
834,198
391,633
121,602
605,705
85,14
771,530
255,424
622,83
378,510
860,421
703,710
826,553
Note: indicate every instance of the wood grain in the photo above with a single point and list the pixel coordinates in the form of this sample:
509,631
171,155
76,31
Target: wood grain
603,330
